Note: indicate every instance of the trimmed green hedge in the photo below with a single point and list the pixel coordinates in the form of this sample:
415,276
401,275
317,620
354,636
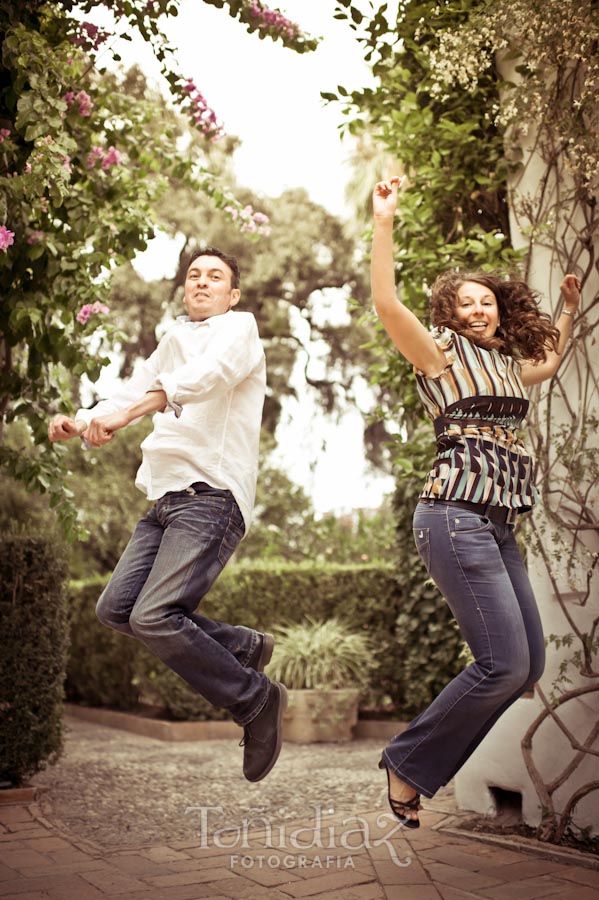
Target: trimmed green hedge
418,644
33,639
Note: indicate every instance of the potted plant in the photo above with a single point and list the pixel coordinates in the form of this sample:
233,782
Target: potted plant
324,665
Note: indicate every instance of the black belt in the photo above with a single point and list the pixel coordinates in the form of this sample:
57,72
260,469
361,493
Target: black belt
502,514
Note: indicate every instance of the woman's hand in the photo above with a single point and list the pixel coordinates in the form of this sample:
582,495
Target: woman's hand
570,288
384,197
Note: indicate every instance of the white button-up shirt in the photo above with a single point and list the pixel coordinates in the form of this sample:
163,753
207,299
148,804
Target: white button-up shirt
214,376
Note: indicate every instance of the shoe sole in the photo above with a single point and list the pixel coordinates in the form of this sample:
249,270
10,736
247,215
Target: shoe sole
268,643
282,707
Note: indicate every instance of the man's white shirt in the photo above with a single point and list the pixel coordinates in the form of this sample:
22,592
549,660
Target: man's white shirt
214,376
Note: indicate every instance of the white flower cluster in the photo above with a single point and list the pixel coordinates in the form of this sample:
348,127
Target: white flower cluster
554,45
456,61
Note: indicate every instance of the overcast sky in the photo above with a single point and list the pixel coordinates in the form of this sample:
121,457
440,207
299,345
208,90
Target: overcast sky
268,95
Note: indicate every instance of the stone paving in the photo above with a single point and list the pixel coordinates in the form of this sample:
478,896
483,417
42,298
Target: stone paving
358,856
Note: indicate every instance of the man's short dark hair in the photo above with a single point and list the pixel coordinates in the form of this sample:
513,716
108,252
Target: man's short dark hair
229,260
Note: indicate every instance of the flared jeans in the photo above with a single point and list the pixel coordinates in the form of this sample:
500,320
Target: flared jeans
173,558
477,566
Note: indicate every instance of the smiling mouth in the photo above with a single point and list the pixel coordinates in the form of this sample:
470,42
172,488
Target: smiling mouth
479,325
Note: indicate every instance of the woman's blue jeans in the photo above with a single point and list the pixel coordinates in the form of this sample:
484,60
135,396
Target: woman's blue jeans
476,565
173,558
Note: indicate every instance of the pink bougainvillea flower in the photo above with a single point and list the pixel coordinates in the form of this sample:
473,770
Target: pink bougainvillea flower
111,158
203,117
251,222
7,238
85,103
270,19
93,156
89,34
89,309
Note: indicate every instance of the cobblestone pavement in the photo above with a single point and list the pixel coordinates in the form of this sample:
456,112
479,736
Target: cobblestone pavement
112,824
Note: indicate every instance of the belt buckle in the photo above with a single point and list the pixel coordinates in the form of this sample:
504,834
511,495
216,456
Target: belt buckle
511,517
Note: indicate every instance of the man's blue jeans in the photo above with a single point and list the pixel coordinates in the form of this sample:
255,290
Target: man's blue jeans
478,568
173,558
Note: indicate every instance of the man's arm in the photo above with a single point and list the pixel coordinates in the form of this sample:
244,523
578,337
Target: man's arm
101,429
128,393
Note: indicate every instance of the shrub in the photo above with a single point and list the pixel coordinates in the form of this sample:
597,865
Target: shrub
324,655
416,646
33,630
101,665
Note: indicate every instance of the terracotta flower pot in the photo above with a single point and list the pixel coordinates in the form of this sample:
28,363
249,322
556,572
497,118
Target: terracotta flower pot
320,715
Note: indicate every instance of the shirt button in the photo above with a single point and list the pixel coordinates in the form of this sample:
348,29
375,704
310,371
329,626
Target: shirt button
457,521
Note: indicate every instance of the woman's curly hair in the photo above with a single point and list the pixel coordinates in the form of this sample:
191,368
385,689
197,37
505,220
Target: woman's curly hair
524,331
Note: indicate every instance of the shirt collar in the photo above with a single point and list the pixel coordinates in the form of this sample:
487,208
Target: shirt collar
185,320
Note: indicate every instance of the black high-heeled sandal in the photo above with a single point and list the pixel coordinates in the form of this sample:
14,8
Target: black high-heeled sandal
401,809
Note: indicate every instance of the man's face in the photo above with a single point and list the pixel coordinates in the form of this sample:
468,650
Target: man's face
208,290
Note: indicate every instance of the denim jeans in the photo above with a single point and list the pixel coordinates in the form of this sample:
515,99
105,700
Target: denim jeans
173,558
478,568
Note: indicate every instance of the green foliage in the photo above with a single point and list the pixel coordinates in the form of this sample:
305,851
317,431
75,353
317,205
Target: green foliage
85,157
285,527
367,599
71,221
161,687
101,664
325,655
102,482
32,654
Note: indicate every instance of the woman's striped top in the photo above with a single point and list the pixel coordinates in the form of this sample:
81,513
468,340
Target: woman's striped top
477,405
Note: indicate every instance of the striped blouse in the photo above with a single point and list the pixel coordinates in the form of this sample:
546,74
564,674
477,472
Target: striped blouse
477,405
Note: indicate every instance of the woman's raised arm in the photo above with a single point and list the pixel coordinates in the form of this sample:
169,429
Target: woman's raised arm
405,330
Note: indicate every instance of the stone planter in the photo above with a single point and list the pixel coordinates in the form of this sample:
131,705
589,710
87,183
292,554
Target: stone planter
314,716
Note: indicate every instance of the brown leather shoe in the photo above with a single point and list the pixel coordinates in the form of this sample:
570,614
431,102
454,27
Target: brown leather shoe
263,736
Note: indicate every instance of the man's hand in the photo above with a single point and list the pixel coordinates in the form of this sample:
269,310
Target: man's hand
61,428
101,429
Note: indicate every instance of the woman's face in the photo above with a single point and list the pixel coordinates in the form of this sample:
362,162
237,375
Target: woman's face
476,308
